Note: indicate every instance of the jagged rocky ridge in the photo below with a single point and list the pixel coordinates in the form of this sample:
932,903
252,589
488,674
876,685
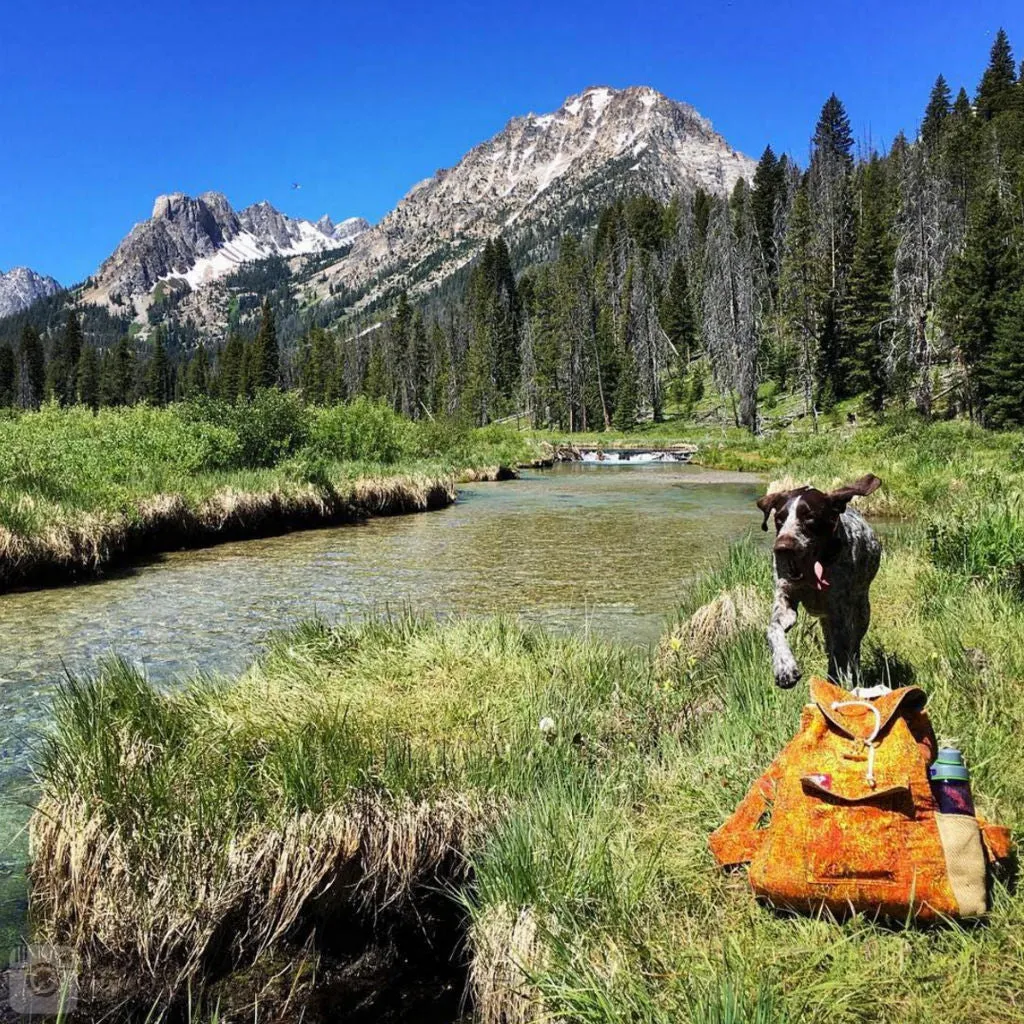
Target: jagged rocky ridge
344,232
20,287
539,177
198,240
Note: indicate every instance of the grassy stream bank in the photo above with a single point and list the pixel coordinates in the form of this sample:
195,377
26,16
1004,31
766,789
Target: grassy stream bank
527,814
81,492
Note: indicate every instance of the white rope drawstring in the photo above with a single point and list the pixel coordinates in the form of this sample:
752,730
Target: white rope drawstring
870,741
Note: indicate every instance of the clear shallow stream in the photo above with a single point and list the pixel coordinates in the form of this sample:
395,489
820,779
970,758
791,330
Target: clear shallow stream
604,548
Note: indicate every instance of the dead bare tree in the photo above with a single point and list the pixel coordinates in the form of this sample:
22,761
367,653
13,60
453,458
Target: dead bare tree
928,233
728,303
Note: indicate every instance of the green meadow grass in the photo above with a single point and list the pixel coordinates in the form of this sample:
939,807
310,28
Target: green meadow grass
384,762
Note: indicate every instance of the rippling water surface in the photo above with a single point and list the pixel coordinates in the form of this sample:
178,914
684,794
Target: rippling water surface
601,548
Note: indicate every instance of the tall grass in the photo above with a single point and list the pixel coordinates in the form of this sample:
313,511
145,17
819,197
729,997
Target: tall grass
982,541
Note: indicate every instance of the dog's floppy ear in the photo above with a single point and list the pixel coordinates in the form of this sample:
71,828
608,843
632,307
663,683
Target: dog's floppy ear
867,484
769,503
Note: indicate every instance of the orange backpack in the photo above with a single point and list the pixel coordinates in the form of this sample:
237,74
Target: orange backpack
844,818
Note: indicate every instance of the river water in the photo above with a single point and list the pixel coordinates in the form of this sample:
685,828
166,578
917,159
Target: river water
602,548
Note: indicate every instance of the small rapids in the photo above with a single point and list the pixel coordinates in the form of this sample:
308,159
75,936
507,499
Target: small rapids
623,457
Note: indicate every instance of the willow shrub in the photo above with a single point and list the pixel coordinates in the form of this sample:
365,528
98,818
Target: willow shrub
362,431
267,428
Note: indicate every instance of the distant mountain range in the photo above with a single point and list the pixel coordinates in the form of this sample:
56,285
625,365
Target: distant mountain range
541,175
20,287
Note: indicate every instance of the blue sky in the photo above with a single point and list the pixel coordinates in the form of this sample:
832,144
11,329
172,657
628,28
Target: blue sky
103,106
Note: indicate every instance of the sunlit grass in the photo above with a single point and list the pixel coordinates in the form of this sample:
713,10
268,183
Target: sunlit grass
385,761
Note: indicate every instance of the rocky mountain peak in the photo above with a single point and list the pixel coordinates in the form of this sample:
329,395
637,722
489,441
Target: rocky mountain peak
539,171
165,206
199,239
537,175
20,287
269,225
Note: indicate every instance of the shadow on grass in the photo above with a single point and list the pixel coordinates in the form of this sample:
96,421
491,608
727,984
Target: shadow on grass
881,667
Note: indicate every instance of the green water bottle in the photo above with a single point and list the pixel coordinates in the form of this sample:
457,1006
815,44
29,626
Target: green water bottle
951,783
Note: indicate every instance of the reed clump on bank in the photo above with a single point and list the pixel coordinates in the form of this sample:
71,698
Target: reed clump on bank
338,784
81,491
193,835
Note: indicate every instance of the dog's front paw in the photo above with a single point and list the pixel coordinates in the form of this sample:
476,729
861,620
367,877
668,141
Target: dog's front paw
787,675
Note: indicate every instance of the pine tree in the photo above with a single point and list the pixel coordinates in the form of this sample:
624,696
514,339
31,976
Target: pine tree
377,385
247,374
400,340
61,371
1004,379
586,403
8,376
197,377
229,383
318,375
935,114
678,320
88,378
981,281
158,385
478,393
31,369
833,139
868,300
995,91
962,154
626,398
769,188
832,217
419,363
264,369
507,316
800,292
646,222
479,396
441,361
493,358
117,378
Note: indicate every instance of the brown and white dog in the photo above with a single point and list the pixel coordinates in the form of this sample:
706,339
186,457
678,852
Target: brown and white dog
825,557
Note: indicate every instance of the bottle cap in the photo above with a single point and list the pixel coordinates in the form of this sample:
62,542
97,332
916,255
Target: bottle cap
944,771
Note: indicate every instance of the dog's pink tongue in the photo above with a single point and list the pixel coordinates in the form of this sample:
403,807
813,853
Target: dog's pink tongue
819,575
